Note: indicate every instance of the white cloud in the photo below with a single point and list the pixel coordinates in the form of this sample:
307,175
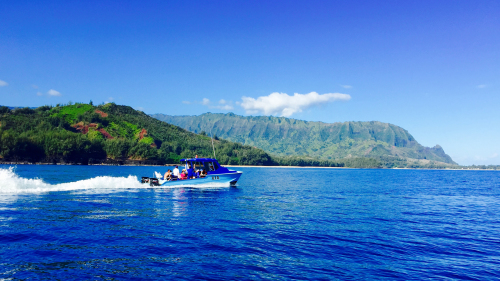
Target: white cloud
223,104
223,107
285,105
34,86
39,94
204,101
346,86
3,83
53,92
482,86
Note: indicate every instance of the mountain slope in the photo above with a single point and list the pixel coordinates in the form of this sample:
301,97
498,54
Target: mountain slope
285,136
83,133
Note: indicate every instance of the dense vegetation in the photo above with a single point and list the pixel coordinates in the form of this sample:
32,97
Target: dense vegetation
290,137
83,133
359,162
113,134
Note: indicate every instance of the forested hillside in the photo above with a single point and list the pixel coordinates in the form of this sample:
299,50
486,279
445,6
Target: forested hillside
328,141
83,133
113,134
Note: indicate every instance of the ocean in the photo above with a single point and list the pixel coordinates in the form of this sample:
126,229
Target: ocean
100,223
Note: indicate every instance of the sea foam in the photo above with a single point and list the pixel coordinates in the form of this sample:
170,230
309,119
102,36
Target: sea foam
10,182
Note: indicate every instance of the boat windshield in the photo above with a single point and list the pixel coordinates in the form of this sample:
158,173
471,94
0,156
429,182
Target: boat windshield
193,164
196,165
211,166
208,165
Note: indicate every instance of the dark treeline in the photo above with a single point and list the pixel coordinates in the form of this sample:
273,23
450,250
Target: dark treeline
480,167
358,162
399,162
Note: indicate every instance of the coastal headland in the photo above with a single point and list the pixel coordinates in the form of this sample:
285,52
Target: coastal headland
110,134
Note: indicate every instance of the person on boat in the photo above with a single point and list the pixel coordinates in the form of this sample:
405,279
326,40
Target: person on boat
168,175
211,166
195,171
190,172
184,175
176,172
203,173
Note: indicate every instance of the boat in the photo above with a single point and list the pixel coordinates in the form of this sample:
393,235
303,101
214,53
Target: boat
216,175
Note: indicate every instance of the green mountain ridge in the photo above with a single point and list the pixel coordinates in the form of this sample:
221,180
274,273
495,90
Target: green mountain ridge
110,133
328,141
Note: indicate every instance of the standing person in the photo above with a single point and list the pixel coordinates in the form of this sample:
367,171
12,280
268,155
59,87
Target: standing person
190,172
176,171
195,171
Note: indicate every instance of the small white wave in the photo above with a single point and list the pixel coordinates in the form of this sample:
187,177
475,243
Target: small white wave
11,183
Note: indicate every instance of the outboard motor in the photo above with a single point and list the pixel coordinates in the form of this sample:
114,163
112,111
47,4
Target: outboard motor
154,182
145,180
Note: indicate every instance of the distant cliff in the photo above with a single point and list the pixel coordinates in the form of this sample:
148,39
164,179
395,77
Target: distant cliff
286,137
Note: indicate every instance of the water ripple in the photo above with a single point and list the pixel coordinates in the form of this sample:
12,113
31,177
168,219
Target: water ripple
346,224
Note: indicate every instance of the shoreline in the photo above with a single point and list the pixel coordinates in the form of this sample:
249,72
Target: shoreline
238,166
316,167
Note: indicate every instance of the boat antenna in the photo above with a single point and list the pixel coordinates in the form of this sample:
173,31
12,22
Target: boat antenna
213,147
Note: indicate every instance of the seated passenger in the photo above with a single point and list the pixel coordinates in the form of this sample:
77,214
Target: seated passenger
203,173
176,172
183,175
168,175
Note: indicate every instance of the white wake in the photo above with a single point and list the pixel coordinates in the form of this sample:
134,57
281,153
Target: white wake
11,183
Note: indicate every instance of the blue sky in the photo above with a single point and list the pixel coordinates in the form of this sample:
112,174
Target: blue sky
431,67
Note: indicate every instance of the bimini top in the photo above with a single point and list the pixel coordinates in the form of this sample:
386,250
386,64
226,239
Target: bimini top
210,165
199,160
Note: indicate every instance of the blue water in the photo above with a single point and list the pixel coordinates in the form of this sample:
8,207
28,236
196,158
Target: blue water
79,222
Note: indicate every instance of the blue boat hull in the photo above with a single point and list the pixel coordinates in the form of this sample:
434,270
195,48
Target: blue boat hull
211,180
